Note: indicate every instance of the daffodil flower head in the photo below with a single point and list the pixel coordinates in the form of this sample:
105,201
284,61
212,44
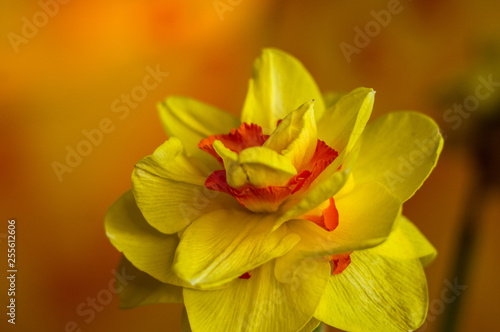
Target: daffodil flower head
285,218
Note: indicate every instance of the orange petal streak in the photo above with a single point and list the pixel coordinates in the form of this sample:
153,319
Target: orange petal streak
245,275
329,220
246,136
340,262
269,198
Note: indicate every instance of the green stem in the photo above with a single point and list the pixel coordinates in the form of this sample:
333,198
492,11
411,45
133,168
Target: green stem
321,328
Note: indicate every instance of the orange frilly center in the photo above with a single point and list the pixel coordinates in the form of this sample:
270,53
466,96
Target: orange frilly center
263,198
270,198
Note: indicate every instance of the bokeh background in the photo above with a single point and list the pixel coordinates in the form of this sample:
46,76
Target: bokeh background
63,76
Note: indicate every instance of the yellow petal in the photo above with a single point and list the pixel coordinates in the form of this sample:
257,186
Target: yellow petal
191,121
296,136
311,325
169,161
320,192
417,246
377,292
325,186
258,166
366,217
366,214
145,247
280,84
223,245
265,167
137,288
343,123
260,303
399,150
235,173
170,191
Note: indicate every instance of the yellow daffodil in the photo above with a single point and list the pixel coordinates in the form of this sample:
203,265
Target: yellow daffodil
284,219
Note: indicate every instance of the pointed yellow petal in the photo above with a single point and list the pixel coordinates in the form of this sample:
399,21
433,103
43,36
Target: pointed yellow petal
170,191
296,136
343,123
191,121
258,304
145,247
137,288
377,292
279,86
223,245
399,150
258,166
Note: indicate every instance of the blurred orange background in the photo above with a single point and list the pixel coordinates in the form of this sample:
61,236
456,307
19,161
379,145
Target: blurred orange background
62,77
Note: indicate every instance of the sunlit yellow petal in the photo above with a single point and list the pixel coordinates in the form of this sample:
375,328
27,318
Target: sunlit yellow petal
296,136
280,84
360,226
170,191
259,304
376,292
417,246
333,179
320,192
343,123
223,245
399,150
258,166
146,248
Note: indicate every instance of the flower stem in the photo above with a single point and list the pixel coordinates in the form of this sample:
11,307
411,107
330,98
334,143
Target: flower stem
321,328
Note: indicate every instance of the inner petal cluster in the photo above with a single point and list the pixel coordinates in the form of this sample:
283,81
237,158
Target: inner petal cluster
263,198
